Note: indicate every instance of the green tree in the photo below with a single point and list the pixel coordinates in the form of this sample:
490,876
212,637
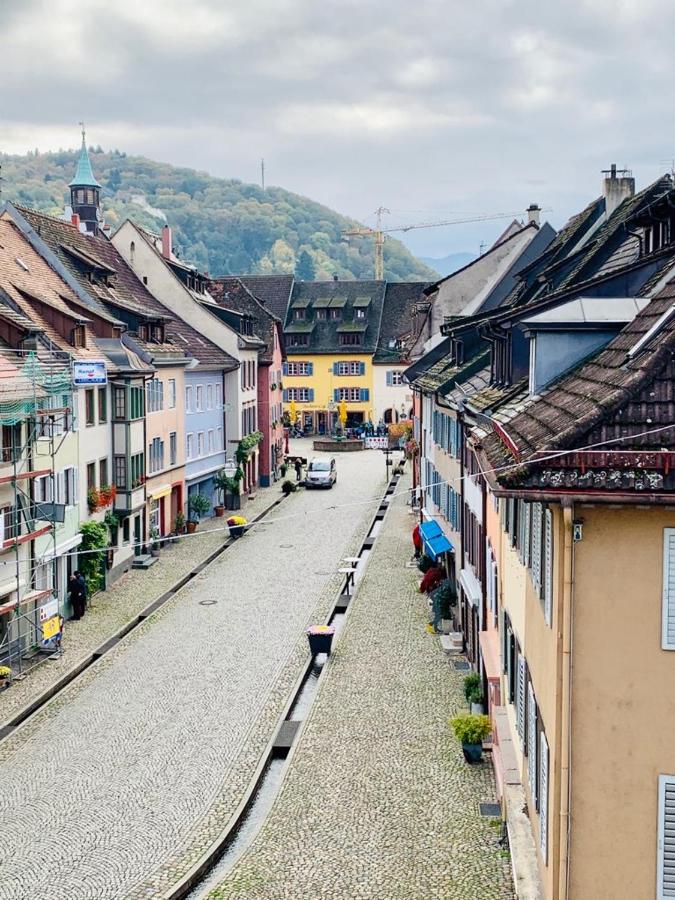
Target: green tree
304,269
94,537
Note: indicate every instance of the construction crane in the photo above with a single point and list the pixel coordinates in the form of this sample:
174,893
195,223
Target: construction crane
378,233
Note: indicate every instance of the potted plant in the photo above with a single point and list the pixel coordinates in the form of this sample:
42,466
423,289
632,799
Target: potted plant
198,504
5,676
288,487
237,526
320,638
155,546
220,481
233,490
179,523
471,731
473,691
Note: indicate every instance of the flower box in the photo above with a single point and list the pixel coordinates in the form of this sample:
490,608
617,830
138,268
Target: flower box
320,638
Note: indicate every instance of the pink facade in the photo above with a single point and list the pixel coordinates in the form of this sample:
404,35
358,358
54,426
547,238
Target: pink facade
270,410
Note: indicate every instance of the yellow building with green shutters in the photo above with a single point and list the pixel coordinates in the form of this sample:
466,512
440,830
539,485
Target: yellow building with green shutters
331,334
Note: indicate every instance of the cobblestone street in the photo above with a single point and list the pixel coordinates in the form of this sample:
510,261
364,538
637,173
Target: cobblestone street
120,783
378,802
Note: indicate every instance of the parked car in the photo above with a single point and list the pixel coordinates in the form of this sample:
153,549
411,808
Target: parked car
321,473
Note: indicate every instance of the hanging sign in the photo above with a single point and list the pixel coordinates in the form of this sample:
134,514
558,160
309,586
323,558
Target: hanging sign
51,627
89,372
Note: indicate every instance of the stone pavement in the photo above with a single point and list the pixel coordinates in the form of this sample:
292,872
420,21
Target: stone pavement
112,609
119,784
377,801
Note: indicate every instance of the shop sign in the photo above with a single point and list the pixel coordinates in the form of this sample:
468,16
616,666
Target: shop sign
89,372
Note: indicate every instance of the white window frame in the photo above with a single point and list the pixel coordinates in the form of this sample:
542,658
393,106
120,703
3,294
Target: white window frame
188,398
172,393
219,395
209,396
173,448
211,441
543,795
190,445
199,398
200,443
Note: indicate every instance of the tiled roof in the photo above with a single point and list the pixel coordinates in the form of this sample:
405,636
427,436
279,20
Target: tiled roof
611,395
234,293
29,287
124,293
273,291
342,294
396,324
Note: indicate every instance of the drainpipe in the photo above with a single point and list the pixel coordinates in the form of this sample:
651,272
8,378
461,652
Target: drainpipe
566,701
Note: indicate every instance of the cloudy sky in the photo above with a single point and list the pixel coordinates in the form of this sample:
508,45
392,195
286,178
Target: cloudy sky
435,108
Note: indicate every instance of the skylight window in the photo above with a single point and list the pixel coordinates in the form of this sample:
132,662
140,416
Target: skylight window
648,335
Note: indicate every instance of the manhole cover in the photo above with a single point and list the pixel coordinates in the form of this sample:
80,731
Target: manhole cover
491,810
207,602
461,664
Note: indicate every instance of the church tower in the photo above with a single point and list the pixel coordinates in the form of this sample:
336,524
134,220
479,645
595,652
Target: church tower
85,191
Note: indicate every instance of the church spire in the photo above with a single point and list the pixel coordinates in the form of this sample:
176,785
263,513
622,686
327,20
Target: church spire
85,190
84,175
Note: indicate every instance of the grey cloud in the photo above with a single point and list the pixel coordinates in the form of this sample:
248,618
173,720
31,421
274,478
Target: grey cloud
431,106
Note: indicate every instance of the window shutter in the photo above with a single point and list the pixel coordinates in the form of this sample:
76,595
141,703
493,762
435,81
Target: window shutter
285,368
365,394
362,368
60,488
668,609
532,742
527,528
310,394
310,368
548,565
543,796
666,837
520,700
536,546
285,393
336,368
336,395
390,379
76,486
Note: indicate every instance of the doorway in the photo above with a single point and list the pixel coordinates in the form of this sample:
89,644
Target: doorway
137,536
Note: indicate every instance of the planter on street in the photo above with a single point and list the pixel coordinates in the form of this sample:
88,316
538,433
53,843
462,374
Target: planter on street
320,638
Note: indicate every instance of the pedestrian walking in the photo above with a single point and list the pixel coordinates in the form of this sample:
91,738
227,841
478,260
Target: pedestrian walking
298,468
77,596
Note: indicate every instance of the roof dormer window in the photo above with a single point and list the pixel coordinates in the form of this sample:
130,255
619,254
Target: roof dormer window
157,334
299,314
359,313
78,337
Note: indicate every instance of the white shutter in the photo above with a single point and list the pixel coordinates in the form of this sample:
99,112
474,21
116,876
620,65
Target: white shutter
76,486
520,700
548,565
536,546
61,487
666,838
543,796
668,608
528,537
532,742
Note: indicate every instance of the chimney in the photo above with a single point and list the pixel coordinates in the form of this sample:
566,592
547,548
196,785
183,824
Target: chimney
75,220
533,211
617,186
166,242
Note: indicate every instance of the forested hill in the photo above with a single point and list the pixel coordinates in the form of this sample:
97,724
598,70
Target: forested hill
221,225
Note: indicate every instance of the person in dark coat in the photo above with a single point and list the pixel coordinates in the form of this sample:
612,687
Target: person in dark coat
298,469
83,585
77,596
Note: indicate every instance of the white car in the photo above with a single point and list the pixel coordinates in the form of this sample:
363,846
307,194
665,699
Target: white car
321,473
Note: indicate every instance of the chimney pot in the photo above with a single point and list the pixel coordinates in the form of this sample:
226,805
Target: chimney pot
533,211
617,186
75,220
166,242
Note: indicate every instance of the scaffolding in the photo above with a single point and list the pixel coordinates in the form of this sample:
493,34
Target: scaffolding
36,415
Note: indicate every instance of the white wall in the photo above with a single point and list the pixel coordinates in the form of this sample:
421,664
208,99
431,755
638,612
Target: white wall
386,396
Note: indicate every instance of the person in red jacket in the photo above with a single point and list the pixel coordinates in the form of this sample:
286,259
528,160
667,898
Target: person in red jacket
432,578
417,540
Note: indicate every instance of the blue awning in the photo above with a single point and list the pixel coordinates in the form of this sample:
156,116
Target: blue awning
433,539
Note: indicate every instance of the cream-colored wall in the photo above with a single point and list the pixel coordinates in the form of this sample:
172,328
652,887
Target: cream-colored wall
169,290
623,701
389,396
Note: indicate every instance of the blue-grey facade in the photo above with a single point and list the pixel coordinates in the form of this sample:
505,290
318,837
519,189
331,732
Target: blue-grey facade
205,439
